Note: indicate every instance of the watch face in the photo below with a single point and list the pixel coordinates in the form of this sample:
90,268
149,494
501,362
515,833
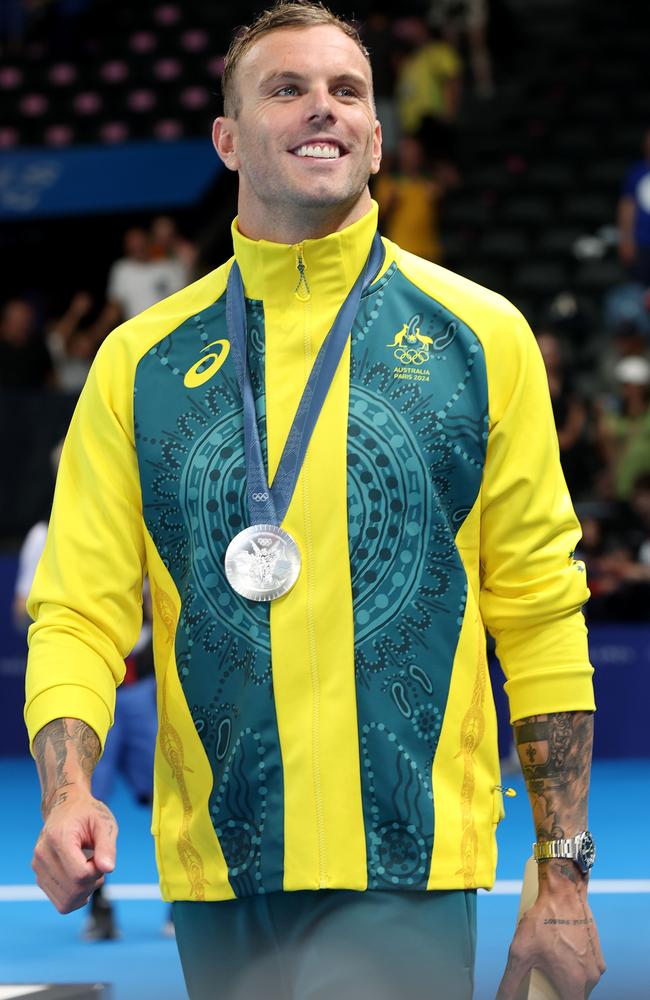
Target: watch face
586,851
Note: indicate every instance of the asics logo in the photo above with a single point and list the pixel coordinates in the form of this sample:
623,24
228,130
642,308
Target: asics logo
208,365
259,497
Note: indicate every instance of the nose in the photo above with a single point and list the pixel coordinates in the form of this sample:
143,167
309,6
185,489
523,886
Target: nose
320,105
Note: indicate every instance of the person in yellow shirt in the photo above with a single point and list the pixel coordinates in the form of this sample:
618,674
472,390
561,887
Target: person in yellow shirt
408,202
336,463
429,80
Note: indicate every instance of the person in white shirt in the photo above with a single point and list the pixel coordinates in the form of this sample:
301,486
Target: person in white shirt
135,281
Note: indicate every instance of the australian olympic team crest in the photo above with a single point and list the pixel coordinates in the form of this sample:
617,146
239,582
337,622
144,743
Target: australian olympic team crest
413,349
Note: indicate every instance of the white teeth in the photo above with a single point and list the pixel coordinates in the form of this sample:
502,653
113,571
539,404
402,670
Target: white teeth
320,151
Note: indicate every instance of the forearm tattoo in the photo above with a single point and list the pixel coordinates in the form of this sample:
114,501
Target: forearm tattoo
59,748
555,755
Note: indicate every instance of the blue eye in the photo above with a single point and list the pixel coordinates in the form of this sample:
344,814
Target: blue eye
283,91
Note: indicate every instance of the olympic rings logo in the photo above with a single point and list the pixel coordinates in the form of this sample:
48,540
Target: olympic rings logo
259,497
412,356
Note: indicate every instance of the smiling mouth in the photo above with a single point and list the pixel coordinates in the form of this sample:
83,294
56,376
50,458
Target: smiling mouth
319,151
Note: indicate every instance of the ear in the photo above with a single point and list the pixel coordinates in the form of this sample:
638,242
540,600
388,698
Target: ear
375,161
224,138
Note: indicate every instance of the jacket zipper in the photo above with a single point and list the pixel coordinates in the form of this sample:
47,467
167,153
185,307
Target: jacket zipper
302,290
303,293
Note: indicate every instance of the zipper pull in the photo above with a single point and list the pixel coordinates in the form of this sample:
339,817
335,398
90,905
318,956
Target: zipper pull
302,290
509,793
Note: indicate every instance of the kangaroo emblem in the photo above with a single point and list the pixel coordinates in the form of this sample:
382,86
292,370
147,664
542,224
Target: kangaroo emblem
411,346
399,337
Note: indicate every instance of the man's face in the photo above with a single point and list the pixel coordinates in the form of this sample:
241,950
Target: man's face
17,322
136,244
306,136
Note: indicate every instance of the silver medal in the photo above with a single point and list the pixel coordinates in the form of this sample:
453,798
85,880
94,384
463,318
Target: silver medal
262,562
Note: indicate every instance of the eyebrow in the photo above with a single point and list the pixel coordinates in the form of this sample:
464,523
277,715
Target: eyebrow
348,77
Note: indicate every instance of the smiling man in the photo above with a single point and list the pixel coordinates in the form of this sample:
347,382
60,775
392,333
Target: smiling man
336,462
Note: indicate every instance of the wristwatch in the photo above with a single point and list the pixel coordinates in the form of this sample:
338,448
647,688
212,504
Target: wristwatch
580,849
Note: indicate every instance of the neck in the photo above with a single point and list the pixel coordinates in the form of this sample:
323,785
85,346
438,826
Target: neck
283,226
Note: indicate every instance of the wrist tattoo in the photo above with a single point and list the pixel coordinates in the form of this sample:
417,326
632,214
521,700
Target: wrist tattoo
555,755
56,746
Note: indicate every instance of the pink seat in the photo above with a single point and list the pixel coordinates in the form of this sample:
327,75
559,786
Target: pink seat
194,98
8,138
167,14
214,66
114,71
194,40
167,69
10,77
34,105
114,132
141,100
62,74
88,102
168,129
143,42
58,135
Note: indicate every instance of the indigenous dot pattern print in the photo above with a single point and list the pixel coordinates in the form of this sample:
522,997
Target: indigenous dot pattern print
417,432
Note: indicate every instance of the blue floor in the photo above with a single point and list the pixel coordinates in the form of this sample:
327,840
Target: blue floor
38,945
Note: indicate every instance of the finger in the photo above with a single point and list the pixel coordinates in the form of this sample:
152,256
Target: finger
90,850
67,854
65,895
65,892
105,844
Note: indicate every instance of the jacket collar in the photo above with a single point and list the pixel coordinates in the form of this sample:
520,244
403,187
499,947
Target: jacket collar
321,270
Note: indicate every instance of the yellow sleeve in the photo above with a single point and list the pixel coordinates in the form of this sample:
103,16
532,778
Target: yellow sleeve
86,599
532,589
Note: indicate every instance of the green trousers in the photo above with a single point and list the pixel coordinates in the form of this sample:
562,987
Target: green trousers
330,945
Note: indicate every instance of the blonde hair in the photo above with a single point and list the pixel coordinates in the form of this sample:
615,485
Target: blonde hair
283,14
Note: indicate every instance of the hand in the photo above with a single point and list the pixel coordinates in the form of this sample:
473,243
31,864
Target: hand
558,936
81,304
75,850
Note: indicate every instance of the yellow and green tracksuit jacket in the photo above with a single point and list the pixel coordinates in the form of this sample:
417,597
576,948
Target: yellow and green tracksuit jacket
343,736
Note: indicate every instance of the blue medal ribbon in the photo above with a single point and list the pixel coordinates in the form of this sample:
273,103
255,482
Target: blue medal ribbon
269,504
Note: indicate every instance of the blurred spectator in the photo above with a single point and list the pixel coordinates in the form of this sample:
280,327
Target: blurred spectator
639,532
408,202
624,428
136,282
428,88
625,340
570,413
467,19
634,216
619,574
168,244
72,348
24,359
30,553
377,36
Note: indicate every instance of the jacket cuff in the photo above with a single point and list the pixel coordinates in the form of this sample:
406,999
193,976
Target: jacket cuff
68,701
